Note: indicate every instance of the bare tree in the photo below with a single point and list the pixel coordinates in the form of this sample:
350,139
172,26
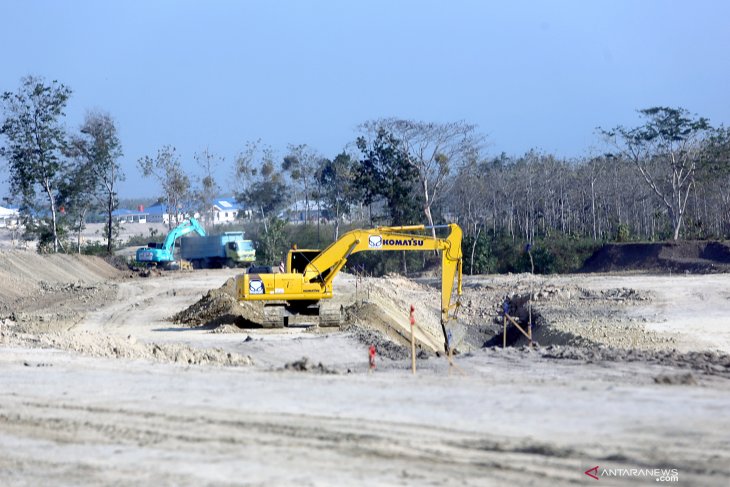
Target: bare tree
666,151
435,150
208,187
174,182
302,163
247,164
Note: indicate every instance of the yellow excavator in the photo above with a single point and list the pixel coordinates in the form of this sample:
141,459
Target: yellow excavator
309,274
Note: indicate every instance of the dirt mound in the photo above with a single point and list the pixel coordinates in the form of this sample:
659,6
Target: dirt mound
23,273
385,345
710,363
103,345
220,307
306,365
386,310
676,379
685,256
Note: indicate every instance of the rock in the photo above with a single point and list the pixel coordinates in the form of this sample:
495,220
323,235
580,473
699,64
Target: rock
676,379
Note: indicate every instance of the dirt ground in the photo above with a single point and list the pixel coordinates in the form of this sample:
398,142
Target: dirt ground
107,378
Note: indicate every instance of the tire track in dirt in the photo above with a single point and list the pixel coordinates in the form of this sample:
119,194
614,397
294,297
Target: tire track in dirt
400,451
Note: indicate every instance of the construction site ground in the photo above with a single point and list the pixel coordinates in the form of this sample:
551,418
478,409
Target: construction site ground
109,378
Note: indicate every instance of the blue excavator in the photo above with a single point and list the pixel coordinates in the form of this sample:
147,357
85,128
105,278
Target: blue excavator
162,254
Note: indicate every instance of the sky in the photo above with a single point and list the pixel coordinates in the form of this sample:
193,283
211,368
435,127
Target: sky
213,75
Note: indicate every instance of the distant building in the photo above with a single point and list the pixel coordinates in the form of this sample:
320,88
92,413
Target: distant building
297,212
226,210
123,215
9,217
222,210
157,213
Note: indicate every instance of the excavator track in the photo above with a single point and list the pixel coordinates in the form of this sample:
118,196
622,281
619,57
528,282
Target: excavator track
282,315
275,315
330,315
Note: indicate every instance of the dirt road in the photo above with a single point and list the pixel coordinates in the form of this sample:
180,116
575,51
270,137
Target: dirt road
510,419
108,391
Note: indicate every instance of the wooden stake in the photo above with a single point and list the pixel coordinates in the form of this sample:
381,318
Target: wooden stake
451,359
504,332
517,325
413,341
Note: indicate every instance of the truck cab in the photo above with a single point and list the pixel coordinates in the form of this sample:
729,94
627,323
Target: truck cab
238,249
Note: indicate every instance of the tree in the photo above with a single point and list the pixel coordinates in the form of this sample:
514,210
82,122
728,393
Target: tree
244,167
434,150
335,178
36,139
260,186
273,242
592,171
209,188
97,150
384,172
301,164
76,198
175,183
666,150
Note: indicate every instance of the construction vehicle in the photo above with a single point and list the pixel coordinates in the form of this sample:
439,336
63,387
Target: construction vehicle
162,254
309,274
229,249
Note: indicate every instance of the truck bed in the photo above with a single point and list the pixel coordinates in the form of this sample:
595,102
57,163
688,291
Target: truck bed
202,247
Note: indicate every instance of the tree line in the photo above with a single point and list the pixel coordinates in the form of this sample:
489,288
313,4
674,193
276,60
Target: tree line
666,178
57,177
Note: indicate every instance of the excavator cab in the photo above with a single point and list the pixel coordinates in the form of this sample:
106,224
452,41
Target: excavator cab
299,259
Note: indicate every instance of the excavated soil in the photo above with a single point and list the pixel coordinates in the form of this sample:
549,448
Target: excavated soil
569,320
218,308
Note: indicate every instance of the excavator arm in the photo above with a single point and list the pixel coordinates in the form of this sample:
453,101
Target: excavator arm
155,254
315,282
330,261
188,226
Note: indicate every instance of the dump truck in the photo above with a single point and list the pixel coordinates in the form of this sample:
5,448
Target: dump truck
163,254
229,249
309,274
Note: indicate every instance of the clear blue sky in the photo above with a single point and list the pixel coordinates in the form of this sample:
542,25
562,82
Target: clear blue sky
216,74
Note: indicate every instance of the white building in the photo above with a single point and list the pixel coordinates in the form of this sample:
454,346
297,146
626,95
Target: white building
225,210
122,215
9,217
299,211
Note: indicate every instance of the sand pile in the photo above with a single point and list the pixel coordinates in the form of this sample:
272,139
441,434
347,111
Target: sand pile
220,307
